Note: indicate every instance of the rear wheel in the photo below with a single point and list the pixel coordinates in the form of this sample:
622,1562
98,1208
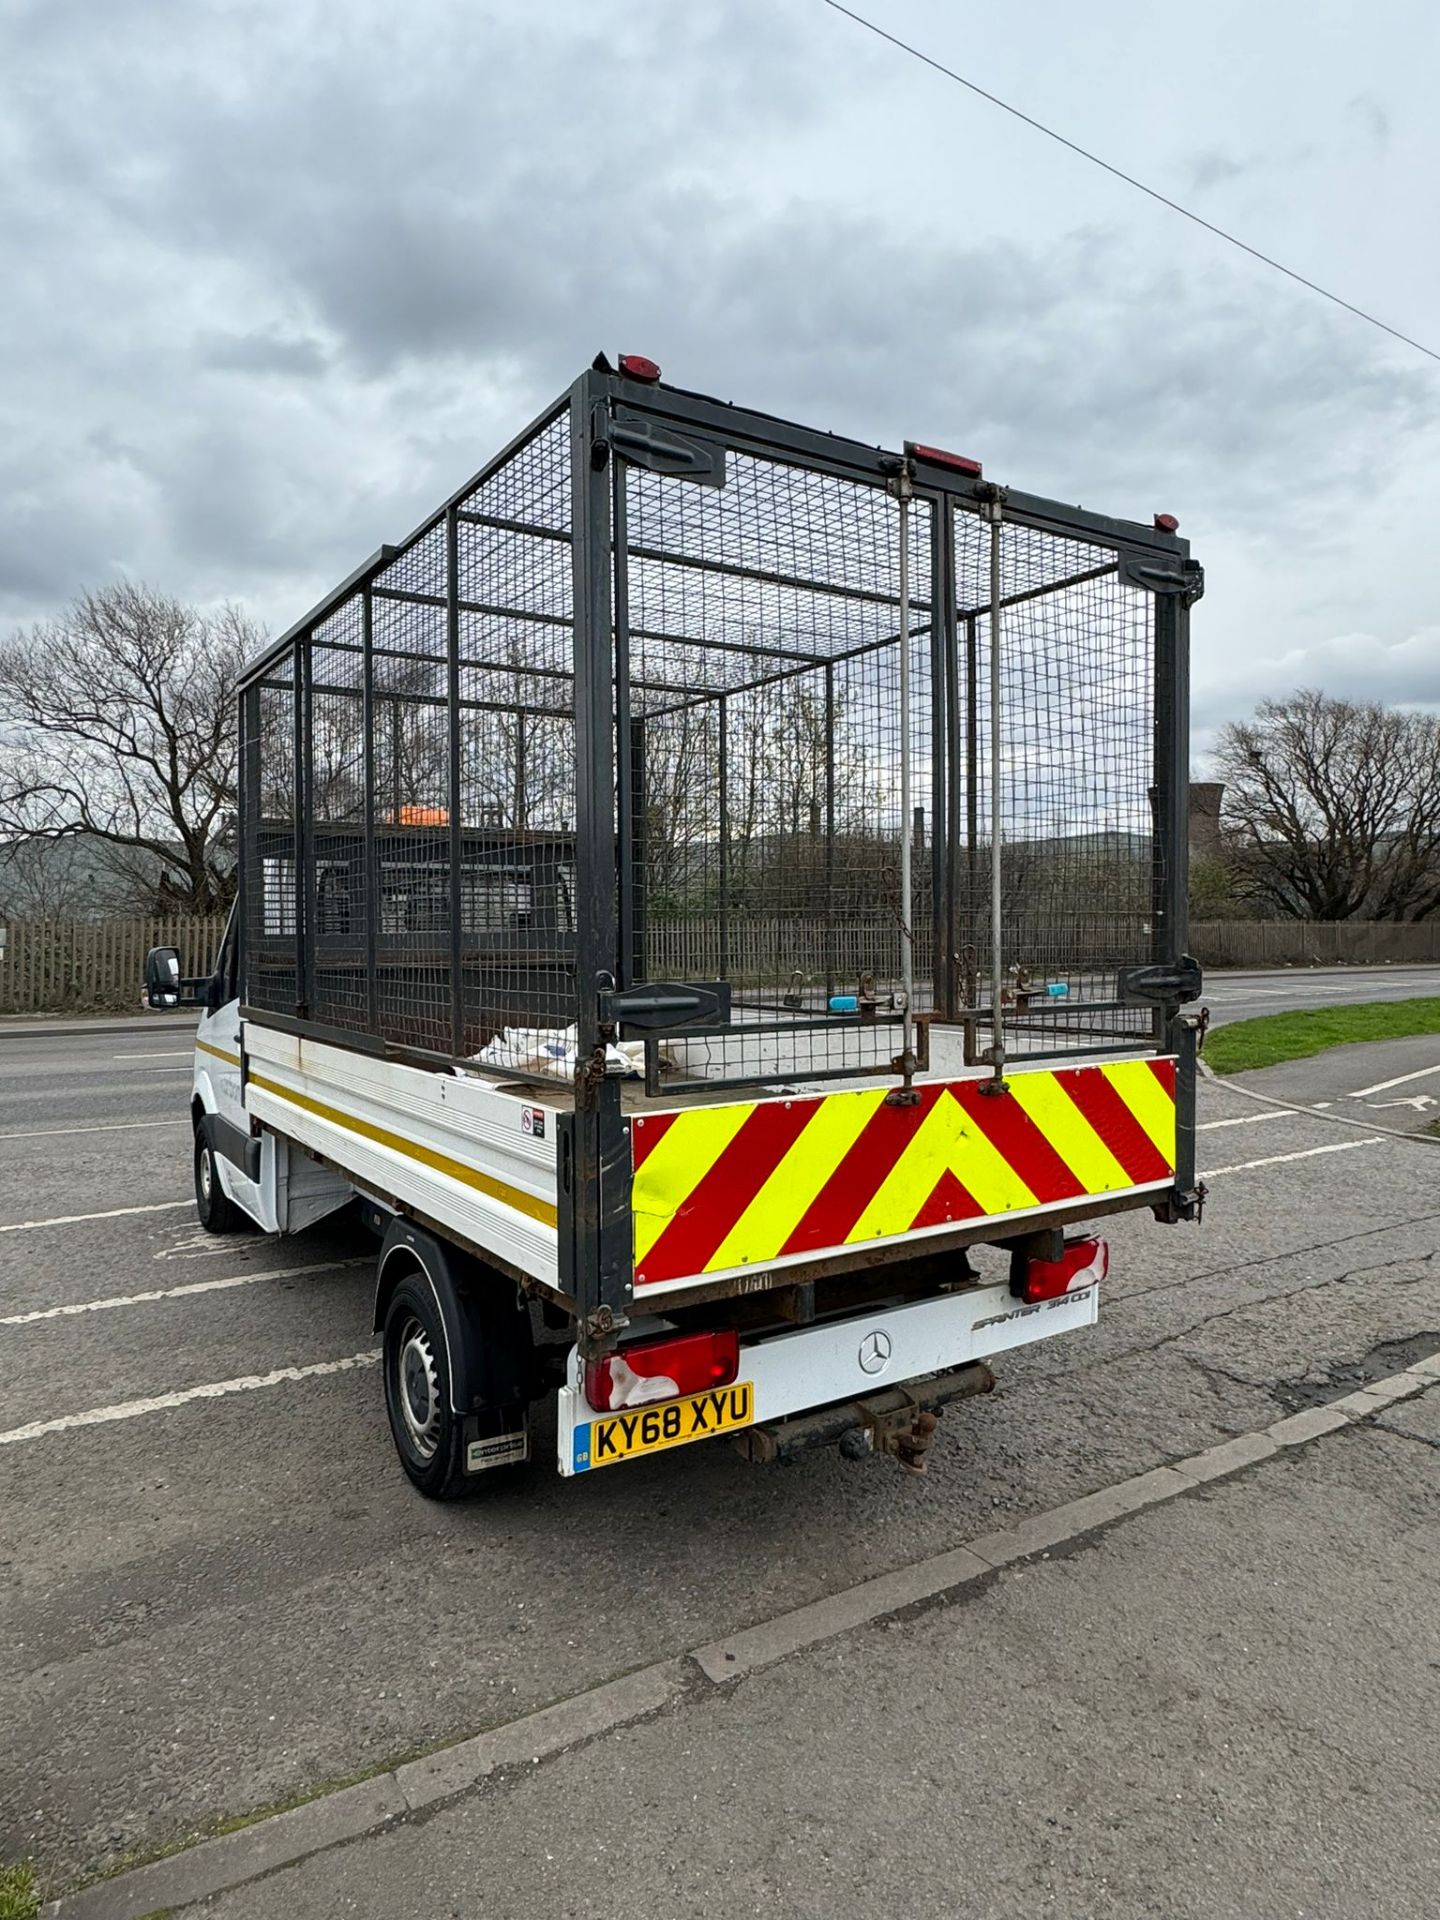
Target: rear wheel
428,1433
218,1212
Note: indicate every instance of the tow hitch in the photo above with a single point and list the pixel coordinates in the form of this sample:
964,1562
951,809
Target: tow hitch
900,1422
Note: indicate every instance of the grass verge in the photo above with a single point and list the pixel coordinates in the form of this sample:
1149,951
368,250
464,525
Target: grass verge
1296,1036
19,1893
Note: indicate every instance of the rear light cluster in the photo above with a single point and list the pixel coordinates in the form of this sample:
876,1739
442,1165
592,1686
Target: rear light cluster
650,1370
1081,1265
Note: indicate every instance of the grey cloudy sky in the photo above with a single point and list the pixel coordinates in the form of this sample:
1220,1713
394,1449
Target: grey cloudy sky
279,275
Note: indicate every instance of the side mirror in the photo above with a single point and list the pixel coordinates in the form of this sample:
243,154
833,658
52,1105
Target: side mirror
162,977
164,987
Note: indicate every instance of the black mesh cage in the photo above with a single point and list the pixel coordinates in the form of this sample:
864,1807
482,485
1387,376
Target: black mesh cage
703,609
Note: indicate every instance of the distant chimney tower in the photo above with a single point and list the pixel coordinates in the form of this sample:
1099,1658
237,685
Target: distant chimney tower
1205,798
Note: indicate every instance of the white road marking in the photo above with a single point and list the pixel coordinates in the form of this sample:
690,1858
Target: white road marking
157,1053
114,1126
1384,1086
109,1213
1278,1159
1243,1120
162,1403
174,1293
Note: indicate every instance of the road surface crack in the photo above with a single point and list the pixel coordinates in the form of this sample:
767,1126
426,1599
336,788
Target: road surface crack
1404,1433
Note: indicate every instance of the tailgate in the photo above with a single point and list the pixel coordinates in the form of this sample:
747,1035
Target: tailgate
781,1181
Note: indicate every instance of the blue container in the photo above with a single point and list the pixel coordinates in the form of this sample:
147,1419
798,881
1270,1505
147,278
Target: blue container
1057,990
844,1003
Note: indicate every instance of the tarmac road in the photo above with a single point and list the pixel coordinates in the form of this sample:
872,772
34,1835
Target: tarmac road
217,1591
1245,996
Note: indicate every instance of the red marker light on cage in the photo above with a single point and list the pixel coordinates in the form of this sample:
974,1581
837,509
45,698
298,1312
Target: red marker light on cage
938,457
636,367
1166,523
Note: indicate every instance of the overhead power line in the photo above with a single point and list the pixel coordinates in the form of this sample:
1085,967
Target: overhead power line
1130,180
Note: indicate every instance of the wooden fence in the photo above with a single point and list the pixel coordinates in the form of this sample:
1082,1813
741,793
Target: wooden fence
93,966
59,966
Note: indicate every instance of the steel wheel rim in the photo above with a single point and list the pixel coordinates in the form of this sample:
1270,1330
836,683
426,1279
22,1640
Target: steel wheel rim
206,1172
417,1388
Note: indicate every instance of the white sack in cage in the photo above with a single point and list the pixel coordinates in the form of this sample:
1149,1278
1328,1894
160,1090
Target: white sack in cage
552,1050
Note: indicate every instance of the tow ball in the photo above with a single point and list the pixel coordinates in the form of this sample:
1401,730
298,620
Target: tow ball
907,1432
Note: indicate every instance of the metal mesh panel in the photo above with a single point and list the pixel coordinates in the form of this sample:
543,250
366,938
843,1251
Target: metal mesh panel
410,774
433,903
410,743
764,655
1076,758
339,899
271,895
516,780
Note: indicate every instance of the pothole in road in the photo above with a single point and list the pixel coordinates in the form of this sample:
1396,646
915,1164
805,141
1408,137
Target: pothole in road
1324,1384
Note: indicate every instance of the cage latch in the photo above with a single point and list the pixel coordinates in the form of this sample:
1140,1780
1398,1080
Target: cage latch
1186,579
1158,985
643,443
667,1003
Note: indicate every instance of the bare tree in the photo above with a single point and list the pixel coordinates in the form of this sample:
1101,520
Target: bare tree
119,726
1332,808
41,881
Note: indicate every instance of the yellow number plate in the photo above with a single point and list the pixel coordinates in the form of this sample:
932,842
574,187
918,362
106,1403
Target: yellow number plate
669,1423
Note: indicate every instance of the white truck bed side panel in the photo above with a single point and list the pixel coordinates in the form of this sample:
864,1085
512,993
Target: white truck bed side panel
454,1149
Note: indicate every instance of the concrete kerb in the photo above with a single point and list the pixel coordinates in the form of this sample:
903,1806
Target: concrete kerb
233,1858
525,1742
212,1866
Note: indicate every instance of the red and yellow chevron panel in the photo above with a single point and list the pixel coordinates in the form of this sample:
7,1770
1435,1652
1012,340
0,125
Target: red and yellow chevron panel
720,1188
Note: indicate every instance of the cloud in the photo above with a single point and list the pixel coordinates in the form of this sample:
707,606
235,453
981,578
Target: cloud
1372,119
263,352
1212,168
276,289
1352,666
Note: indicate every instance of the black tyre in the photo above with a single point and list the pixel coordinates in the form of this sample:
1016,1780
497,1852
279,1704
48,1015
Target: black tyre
428,1434
218,1212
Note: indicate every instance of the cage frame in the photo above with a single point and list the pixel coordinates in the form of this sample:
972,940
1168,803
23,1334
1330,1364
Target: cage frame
595,1253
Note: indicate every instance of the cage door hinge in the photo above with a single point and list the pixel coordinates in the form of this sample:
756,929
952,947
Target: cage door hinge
991,497
1182,1203
644,443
